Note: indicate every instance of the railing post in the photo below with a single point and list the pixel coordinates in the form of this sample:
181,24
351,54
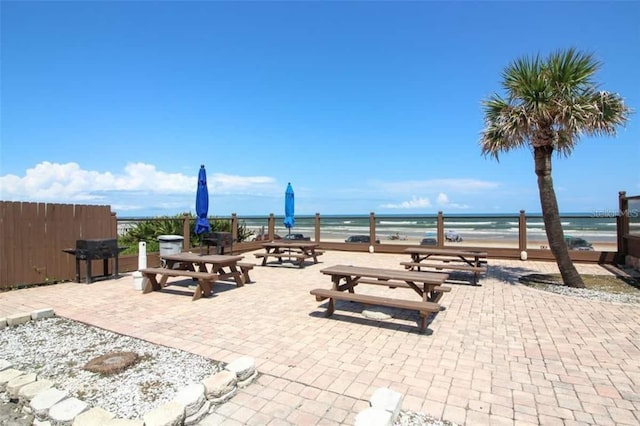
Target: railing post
271,226
622,222
440,230
316,224
114,224
234,227
186,232
372,228
522,231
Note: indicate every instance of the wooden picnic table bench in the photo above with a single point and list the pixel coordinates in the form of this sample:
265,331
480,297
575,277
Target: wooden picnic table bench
447,259
346,277
295,249
245,268
193,265
150,281
424,308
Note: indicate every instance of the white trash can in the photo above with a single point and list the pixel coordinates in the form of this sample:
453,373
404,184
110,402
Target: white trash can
170,244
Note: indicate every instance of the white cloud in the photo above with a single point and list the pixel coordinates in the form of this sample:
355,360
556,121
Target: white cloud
443,200
138,185
224,184
431,185
414,203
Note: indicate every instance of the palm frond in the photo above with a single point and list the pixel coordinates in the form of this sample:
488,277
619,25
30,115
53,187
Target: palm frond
503,126
550,102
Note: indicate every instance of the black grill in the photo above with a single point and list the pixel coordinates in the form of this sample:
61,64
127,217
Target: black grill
220,240
96,249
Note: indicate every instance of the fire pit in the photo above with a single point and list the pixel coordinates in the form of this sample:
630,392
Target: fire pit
88,250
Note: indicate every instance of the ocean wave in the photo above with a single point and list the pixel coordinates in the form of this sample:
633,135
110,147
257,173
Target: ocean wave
398,222
460,223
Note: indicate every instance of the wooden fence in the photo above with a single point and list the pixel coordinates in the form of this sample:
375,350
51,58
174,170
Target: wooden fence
629,236
33,235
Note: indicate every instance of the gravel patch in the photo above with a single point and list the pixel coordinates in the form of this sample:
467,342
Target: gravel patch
588,293
57,349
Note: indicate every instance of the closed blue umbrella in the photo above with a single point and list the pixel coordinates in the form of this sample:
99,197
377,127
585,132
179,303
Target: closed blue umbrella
202,205
289,204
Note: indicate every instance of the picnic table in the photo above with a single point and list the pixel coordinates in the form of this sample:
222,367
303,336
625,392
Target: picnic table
346,277
206,269
296,251
447,259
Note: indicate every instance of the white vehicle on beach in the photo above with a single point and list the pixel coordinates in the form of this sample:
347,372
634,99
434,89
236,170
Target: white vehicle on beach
452,236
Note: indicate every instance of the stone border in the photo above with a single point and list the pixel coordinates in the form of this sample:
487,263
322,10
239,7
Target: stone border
50,405
385,405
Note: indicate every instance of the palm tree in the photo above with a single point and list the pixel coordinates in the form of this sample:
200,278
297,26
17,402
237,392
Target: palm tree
549,104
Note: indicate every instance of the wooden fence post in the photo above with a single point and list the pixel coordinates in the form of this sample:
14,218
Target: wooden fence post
622,223
272,226
317,228
186,233
440,230
234,227
372,228
522,231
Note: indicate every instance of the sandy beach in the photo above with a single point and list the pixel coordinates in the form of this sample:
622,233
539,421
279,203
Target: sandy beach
483,242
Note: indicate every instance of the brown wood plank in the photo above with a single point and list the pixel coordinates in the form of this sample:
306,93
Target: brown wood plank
391,274
447,266
421,306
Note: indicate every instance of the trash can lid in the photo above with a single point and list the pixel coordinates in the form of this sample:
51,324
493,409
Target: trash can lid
170,237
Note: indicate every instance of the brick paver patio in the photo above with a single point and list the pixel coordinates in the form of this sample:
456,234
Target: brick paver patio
501,353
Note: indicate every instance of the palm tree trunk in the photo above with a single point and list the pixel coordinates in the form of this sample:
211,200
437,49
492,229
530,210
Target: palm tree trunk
551,217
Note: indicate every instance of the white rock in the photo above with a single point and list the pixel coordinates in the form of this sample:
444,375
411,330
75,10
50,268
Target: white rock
373,417
42,313
192,397
7,375
95,416
18,319
169,414
388,400
14,385
242,367
195,418
220,384
42,402
66,410
28,392
4,364
377,313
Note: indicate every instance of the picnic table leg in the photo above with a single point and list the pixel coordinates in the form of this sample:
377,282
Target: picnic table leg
202,289
331,306
335,279
236,275
422,293
423,322
150,283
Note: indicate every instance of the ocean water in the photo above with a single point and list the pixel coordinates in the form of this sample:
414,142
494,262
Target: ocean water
494,227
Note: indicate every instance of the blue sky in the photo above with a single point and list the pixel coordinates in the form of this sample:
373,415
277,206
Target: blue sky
362,106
